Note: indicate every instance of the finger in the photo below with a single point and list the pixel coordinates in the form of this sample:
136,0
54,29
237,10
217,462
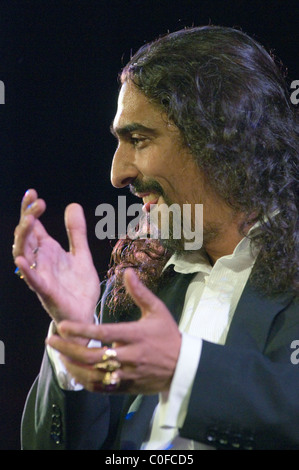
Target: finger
75,224
122,333
68,329
22,232
29,232
34,281
90,378
29,197
106,333
92,355
76,352
36,208
142,296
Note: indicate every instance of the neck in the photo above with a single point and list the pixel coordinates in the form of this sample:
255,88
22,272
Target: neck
225,241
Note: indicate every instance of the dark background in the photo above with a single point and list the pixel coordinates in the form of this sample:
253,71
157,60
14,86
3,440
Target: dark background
59,62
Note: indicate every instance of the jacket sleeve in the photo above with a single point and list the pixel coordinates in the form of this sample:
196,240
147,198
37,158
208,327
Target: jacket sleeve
246,398
56,419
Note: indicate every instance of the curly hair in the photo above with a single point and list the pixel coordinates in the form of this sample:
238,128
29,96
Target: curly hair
231,103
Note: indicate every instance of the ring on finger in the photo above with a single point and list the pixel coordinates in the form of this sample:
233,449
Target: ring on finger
110,366
110,382
109,361
110,353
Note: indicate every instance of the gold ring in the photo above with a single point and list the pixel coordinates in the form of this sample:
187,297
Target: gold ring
110,381
109,366
33,266
109,362
109,354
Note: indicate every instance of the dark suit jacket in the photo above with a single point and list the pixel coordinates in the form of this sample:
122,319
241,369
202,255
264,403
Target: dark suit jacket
245,394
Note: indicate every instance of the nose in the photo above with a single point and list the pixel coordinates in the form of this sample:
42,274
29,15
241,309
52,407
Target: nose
123,170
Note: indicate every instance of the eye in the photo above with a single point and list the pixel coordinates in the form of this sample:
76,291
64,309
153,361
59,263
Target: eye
138,141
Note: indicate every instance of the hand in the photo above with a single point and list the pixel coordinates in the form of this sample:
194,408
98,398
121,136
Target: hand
65,282
147,349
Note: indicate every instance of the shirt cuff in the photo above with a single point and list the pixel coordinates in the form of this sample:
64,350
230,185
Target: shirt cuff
174,404
65,380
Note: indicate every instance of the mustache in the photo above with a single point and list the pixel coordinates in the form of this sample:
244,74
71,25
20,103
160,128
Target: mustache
150,186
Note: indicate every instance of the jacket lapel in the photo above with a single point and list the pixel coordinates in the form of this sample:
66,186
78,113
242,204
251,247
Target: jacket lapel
173,294
253,317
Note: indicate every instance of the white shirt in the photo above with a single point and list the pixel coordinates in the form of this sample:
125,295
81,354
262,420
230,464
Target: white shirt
210,303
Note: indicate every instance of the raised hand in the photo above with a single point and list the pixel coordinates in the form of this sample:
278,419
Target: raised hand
66,282
147,349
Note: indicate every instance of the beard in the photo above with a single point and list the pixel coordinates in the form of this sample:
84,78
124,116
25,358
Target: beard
146,250
168,225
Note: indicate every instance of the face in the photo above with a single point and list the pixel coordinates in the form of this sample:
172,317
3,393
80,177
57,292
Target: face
152,159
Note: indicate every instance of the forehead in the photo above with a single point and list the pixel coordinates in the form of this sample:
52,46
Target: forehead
134,107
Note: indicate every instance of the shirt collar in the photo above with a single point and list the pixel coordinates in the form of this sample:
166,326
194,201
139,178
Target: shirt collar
242,257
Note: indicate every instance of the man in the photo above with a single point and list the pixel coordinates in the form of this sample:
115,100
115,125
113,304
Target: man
199,342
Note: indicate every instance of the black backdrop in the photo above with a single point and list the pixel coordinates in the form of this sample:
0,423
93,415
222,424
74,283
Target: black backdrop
59,62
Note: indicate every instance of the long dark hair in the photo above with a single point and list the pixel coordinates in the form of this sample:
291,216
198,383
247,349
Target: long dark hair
230,100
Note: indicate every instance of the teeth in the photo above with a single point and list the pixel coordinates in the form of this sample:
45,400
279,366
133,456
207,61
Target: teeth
149,198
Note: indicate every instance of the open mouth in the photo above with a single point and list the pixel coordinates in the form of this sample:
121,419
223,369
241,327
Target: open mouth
148,200
149,193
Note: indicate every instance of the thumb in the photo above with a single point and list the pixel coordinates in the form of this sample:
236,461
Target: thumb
142,296
76,228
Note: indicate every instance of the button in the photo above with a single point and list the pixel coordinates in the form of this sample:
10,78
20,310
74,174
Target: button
56,425
248,444
223,441
236,440
211,437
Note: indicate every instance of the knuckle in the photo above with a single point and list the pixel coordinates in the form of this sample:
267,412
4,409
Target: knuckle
105,333
62,327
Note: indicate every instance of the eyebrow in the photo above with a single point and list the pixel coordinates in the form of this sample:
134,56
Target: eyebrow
129,128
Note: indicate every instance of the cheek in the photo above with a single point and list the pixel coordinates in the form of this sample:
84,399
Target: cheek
152,164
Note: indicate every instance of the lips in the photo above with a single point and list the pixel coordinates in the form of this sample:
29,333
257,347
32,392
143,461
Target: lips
148,200
147,205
